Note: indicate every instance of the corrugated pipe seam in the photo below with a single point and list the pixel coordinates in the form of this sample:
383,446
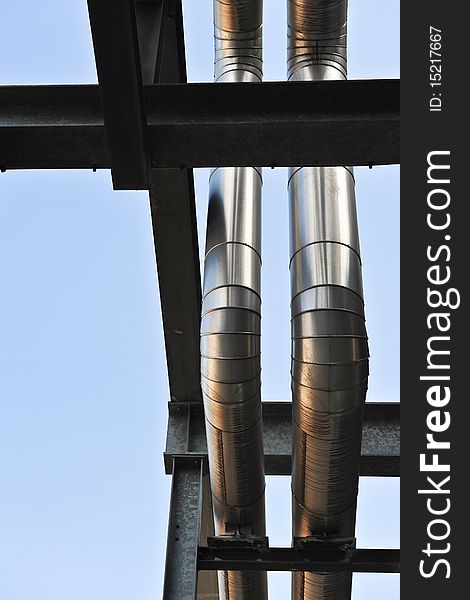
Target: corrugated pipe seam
329,341
231,316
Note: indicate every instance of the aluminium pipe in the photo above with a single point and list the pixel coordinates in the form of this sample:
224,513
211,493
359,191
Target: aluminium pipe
231,316
329,341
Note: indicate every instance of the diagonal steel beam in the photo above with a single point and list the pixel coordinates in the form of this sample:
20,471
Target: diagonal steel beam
173,210
136,42
150,23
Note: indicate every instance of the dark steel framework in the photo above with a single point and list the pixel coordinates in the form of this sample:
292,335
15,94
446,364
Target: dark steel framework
150,127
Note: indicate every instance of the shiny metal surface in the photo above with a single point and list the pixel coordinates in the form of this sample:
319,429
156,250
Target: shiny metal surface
325,263
329,339
238,40
231,317
326,209
224,217
232,264
316,31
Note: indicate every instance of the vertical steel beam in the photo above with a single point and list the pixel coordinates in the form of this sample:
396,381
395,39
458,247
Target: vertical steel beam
207,585
115,42
180,582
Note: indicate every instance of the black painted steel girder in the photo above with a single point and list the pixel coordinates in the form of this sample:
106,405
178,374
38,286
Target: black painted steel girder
116,47
360,560
208,125
140,42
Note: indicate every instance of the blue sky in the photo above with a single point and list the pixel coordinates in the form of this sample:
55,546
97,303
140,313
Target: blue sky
83,392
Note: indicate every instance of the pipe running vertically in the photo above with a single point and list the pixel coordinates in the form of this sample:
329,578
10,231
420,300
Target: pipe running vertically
231,316
329,340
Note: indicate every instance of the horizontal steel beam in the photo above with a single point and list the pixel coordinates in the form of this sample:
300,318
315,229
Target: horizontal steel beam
380,456
208,125
360,560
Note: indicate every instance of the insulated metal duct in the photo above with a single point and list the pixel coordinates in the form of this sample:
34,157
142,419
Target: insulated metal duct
231,317
329,340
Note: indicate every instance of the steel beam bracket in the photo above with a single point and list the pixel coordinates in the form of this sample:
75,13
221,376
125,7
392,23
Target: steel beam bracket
186,433
326,544
238,541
